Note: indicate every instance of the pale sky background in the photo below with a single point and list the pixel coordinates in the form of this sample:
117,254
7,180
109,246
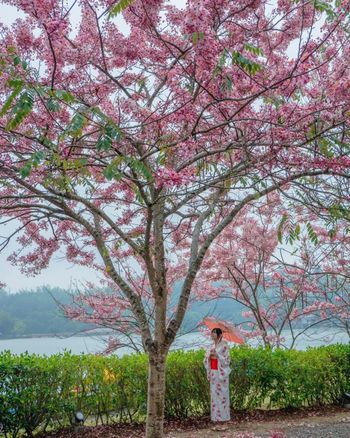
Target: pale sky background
60,273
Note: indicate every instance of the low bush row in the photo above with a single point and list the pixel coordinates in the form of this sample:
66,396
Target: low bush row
39,393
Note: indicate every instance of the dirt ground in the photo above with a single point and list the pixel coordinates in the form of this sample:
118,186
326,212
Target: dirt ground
335,425
323,422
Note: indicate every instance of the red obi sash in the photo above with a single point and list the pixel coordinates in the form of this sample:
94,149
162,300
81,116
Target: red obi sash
213,363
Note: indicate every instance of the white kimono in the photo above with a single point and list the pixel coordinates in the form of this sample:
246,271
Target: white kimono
219,382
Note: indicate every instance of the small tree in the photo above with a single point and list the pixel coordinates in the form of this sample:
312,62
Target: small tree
274,282
327,205
134,152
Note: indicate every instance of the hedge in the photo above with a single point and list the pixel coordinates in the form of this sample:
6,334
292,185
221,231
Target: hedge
39,393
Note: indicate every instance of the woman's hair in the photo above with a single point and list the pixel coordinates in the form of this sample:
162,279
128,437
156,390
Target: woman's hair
218,331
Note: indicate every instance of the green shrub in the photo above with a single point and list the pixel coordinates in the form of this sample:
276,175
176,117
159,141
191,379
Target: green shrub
31,390
187,391
280,379
38,393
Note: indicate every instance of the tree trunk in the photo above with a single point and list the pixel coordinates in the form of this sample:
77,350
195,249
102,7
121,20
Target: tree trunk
156,396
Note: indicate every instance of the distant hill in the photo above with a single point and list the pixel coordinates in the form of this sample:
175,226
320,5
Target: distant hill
222,308
34,312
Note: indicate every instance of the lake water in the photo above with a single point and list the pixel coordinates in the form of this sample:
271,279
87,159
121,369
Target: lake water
93,344
84,344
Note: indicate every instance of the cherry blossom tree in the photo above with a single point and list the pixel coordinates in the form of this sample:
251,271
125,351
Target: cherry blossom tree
287,289
332,257
326,205
132,152
340,313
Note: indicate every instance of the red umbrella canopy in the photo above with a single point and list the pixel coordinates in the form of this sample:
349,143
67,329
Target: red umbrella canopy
229,332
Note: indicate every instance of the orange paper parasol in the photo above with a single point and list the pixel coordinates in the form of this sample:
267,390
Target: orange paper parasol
229,332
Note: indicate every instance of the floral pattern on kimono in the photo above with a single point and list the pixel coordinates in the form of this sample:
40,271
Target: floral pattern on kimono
219,382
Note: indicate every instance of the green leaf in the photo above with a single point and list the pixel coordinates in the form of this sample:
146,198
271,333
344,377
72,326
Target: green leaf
142,85
34,161
119,7
138,195
280,227
111,132
15,83
312,234
311,132
16,60
37,158
46,142
190,86
103,143
80,163
246,64
21,110
108,172
112,171
195,38
10,99
65,96
53,105
332,232
338,211
139,167
161,158
26,170
324,7
221,63
324,148
228,84
76,125
253,49
276,101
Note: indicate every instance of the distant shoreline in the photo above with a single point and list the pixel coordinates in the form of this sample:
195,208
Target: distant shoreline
93,332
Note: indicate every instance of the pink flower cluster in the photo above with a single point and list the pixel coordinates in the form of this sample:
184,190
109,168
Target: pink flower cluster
169,178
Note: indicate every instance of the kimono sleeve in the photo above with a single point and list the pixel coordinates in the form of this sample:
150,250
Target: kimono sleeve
206,362
224,361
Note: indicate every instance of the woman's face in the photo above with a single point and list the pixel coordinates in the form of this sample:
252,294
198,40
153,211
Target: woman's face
214,336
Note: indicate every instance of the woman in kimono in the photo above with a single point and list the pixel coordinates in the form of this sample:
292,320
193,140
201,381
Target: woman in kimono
217,364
